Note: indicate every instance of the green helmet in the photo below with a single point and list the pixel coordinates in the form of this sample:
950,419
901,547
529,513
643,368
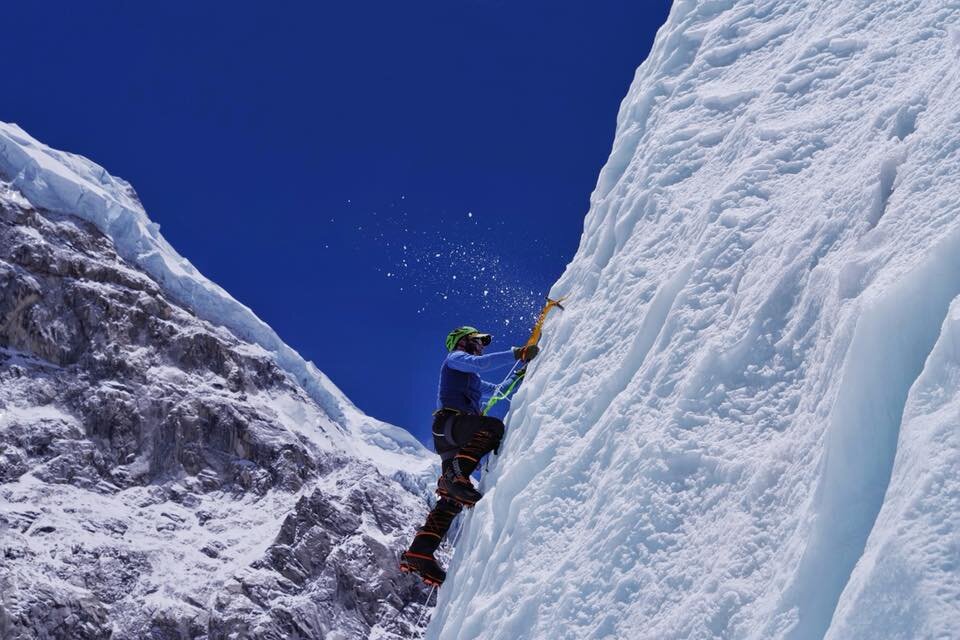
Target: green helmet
462,332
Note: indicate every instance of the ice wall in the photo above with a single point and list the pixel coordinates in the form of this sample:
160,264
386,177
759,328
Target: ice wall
744,425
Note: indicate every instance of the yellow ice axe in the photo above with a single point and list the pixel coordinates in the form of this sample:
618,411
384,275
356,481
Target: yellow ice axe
538,327
534,339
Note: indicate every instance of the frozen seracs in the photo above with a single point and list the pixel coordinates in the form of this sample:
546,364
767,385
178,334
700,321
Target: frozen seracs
744,425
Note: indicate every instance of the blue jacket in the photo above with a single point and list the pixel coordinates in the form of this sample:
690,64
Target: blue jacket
460,386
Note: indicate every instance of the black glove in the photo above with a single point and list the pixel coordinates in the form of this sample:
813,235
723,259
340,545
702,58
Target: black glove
519,373
526,353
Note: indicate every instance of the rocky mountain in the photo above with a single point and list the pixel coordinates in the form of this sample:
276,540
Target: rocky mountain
168,467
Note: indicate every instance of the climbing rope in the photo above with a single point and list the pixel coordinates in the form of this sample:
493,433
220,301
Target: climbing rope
497,396
426,606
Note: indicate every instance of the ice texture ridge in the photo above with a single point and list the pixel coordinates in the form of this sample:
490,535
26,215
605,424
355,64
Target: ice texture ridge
744,424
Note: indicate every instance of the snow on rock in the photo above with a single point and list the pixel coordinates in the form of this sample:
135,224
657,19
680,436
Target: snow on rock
161,475
67,183
744,424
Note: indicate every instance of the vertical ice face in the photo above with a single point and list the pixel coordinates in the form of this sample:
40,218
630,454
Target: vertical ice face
743,425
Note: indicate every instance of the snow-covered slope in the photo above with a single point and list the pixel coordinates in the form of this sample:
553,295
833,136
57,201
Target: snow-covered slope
71,184
168,468
745,424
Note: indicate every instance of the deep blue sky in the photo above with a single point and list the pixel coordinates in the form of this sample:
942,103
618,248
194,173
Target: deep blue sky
330,164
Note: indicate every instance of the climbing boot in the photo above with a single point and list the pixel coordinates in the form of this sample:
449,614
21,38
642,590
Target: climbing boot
438,522
424,565
457,488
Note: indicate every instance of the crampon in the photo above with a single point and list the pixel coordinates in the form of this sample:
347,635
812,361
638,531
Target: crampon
424,566
459,489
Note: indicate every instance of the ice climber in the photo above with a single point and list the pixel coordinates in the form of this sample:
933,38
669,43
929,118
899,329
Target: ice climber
462,435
